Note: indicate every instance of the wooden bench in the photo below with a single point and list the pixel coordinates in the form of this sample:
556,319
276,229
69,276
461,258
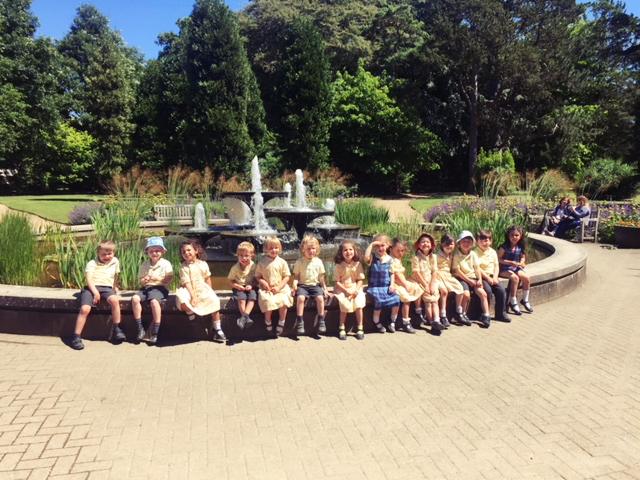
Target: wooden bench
588,229
174,212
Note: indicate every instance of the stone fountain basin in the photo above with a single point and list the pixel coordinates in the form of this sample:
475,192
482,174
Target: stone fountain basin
52,311
329,232
246,196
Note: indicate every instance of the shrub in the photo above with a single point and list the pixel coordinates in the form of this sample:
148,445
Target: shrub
81,214
19,259
495,161
602,175
499,182
550,185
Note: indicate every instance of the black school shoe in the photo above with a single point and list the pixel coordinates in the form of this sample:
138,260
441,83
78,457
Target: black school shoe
485,320
117,335
463,319
76,342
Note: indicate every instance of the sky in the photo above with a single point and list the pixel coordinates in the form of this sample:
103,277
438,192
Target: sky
139,21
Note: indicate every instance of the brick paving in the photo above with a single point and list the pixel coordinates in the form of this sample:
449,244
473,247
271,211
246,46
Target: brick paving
552,395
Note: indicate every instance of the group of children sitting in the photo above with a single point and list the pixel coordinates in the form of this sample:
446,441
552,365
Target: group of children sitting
454,267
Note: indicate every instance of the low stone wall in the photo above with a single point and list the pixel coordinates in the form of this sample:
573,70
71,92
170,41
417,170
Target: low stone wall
52,311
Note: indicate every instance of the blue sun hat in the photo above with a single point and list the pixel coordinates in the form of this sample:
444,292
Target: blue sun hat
465,234
155,242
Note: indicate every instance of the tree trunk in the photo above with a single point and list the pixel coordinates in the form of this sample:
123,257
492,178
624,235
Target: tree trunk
473,136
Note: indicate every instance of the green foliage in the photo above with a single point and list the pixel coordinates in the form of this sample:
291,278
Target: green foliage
105,75
499,182
550,185
495,160
74,156
218,93
602,175
361,211
371,137
301,101
475,215
19,259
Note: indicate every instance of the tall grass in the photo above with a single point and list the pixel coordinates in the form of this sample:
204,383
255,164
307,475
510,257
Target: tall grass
360,211
550,185
472,219
499,182
20,262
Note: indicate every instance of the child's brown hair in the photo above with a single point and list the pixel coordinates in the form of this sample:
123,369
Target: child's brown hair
339,258
446,240
431,239
106,245
197,247
482,234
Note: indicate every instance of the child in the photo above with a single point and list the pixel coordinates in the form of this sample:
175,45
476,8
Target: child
100,275
349,276
489,269
242,278
381,281
465,266
195,296
308,281
407,290
512,261
448,283
155,275
272,274
424,266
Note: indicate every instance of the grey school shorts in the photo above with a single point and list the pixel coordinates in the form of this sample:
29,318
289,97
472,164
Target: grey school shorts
86,297
244,295
309,291
155,292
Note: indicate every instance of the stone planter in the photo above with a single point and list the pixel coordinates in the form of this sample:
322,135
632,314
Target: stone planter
627,237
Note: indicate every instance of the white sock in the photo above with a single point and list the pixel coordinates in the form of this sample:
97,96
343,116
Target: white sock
216,324
525,295
514,301
418,311
459,309
406,321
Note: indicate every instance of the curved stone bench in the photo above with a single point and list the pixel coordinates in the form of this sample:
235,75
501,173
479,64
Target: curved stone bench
52,311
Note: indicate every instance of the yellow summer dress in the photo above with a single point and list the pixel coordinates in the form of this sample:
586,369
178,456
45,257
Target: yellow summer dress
447,281
195,274
273,270
349,274
428,266
413,291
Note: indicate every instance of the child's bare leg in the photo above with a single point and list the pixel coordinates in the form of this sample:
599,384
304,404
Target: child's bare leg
526,285
136,307
282,311
443,301
300,305
484,304
267,319
114,301
360,318
320,305
343,319
249,307
405,310
156,311
524,280
242,306
81,319
466,298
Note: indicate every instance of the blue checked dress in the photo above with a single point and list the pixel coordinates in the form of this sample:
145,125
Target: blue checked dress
513,254
379,281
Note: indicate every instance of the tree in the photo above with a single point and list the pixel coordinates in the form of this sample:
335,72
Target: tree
106,74
221,102
372,138
32,83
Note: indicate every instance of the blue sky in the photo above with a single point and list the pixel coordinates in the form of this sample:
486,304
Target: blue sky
139,21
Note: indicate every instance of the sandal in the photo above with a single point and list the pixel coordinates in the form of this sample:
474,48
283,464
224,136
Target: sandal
527,306
514,308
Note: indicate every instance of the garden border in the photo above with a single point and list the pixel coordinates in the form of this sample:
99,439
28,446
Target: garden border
52,311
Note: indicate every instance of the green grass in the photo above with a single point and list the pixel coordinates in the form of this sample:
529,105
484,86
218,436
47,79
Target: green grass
50,207
421,205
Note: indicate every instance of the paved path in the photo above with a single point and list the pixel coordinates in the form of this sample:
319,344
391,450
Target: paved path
553,395
399,208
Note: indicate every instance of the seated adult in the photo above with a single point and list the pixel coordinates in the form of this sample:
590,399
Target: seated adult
550,222
574,217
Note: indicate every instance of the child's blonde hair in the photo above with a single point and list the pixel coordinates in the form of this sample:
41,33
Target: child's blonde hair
381,237
106,245
271,240
246,247
309,240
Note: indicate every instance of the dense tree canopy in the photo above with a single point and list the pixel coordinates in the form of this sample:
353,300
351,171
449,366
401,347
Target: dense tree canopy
406,92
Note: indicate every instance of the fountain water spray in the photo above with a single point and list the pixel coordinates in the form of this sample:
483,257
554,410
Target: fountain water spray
287,201
199,218
256,181
259,219
301,200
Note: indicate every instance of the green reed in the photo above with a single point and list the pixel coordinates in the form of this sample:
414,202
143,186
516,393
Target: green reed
360,211
20,261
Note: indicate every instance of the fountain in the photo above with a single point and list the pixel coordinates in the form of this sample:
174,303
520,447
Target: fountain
249,215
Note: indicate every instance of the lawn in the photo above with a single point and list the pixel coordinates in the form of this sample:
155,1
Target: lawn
51,207
421,205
